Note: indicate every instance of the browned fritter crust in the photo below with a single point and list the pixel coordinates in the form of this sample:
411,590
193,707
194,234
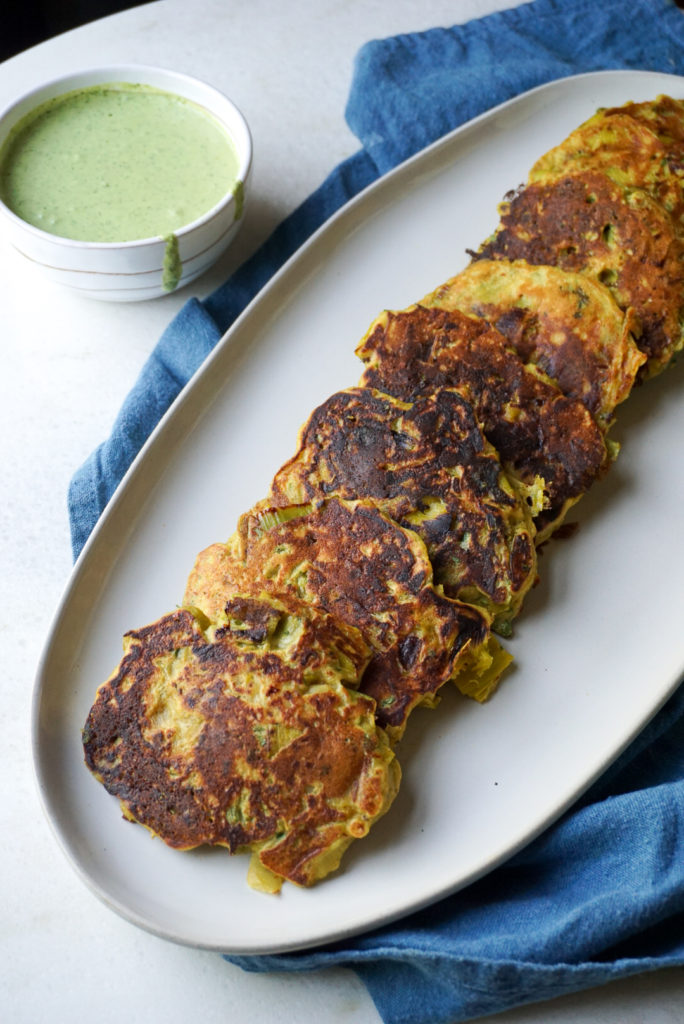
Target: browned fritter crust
621,237
665,117
637,144
537,431
367,571
222,741
428,466
567,325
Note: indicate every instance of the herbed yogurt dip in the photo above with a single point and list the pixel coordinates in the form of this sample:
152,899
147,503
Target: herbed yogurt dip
116,163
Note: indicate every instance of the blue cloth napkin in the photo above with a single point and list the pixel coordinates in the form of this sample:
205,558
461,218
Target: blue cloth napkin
601,894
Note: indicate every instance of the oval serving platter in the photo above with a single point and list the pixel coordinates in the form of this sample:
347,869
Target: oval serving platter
598,646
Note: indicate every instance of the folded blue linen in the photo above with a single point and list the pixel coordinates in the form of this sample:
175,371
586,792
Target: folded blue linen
601,894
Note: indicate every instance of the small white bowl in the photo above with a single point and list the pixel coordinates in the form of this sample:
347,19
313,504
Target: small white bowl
130,271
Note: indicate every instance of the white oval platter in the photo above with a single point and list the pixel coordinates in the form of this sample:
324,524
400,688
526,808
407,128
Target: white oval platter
599,645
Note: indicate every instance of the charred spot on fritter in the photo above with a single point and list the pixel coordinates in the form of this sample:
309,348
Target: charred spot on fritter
541,435
427,465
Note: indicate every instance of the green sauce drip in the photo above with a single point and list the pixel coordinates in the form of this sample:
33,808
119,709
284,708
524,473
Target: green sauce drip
172,267
239,197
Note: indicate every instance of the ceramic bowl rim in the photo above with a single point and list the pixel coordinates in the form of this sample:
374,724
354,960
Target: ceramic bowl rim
128,74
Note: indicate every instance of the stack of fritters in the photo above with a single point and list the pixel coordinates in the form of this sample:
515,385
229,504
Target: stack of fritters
368,572
403,532
562,322
621,237
546,440
609,201
428,465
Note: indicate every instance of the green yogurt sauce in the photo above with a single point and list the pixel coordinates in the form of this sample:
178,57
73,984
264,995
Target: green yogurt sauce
116,163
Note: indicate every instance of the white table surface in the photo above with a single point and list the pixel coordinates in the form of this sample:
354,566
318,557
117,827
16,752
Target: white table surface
67,364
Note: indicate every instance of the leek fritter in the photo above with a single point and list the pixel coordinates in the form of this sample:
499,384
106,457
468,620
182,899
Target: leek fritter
620,237
665,116
638,145
367,571
567,325
236,738
539,433
427,465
